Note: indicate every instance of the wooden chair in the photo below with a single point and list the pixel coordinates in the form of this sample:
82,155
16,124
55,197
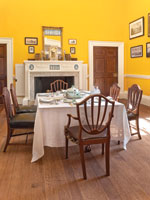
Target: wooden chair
115,91
97,129
20,108
58,85
133,104
18,121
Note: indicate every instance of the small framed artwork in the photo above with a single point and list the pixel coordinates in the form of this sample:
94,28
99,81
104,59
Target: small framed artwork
31,49
31,41
136,51
148,24
72,41
136,28
148,49
72,50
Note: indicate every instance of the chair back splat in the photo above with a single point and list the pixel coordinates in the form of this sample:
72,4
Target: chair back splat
134,98
14,97
58,85
20,108
94,116
7,104
115,91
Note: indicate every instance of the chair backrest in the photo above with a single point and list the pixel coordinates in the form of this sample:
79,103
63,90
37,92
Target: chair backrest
115,91
134,99
13,96
58,85
95,112
7,104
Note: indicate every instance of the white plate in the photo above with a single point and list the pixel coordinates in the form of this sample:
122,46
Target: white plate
43,95
46,100
67,100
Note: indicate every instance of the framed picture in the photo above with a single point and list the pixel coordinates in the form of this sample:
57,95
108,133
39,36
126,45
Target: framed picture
72,50
148,49
72,41
148,24
136,51
136,28
31,41
31,49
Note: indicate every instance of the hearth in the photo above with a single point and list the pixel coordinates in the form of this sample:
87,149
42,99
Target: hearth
42,84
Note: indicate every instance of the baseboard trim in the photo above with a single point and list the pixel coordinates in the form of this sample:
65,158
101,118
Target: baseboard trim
145,98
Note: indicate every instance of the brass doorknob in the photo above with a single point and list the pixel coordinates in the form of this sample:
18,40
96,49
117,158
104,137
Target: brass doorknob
115,74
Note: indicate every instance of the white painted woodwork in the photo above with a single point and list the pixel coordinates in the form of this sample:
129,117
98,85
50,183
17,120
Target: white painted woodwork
43,68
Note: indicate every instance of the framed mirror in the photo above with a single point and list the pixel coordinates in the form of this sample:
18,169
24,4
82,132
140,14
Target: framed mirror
52,43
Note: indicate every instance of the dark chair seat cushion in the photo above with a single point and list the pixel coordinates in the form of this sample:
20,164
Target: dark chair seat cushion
24,120
26,109
131,116
73,132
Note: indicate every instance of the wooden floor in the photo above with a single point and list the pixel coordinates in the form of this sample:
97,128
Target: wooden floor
54,177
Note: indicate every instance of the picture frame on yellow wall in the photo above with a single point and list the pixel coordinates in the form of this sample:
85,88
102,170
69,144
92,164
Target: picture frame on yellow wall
148,49
72,41
136,51
136,28
31,49
31,41
72,50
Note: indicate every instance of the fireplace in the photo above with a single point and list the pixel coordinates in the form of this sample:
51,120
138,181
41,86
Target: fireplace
39,75
41,84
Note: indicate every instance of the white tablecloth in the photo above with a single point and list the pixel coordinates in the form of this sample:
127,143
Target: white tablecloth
51,119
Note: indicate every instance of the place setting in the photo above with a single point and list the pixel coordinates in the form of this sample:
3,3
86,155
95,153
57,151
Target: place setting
68,97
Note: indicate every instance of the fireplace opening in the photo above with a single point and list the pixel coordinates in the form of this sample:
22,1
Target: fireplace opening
41,84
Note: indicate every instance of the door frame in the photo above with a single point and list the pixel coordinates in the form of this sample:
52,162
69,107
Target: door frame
9,44
120,46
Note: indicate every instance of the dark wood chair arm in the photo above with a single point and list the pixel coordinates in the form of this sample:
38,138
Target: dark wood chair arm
69,119
71,116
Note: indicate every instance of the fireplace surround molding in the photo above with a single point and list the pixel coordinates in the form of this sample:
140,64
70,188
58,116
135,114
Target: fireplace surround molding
50,69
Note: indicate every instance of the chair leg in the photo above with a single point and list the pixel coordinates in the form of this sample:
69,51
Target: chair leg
102,148
107,155
26,138
66,147
82,161
138,129
8,139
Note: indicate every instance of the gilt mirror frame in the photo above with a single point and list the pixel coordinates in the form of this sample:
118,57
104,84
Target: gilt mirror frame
53,28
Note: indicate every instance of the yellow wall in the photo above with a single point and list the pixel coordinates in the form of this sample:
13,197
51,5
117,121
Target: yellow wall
136,9
82,20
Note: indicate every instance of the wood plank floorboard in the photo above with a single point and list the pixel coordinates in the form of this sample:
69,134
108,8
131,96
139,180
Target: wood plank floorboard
55,178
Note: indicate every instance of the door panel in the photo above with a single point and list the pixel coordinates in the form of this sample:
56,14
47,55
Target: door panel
3,69
105,67
100,62
100,82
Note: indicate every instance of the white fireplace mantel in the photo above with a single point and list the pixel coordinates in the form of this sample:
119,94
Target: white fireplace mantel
53,68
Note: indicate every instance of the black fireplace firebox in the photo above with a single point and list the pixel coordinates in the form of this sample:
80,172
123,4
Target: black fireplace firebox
41,84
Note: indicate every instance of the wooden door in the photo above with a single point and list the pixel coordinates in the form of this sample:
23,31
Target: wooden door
3,69
105,68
